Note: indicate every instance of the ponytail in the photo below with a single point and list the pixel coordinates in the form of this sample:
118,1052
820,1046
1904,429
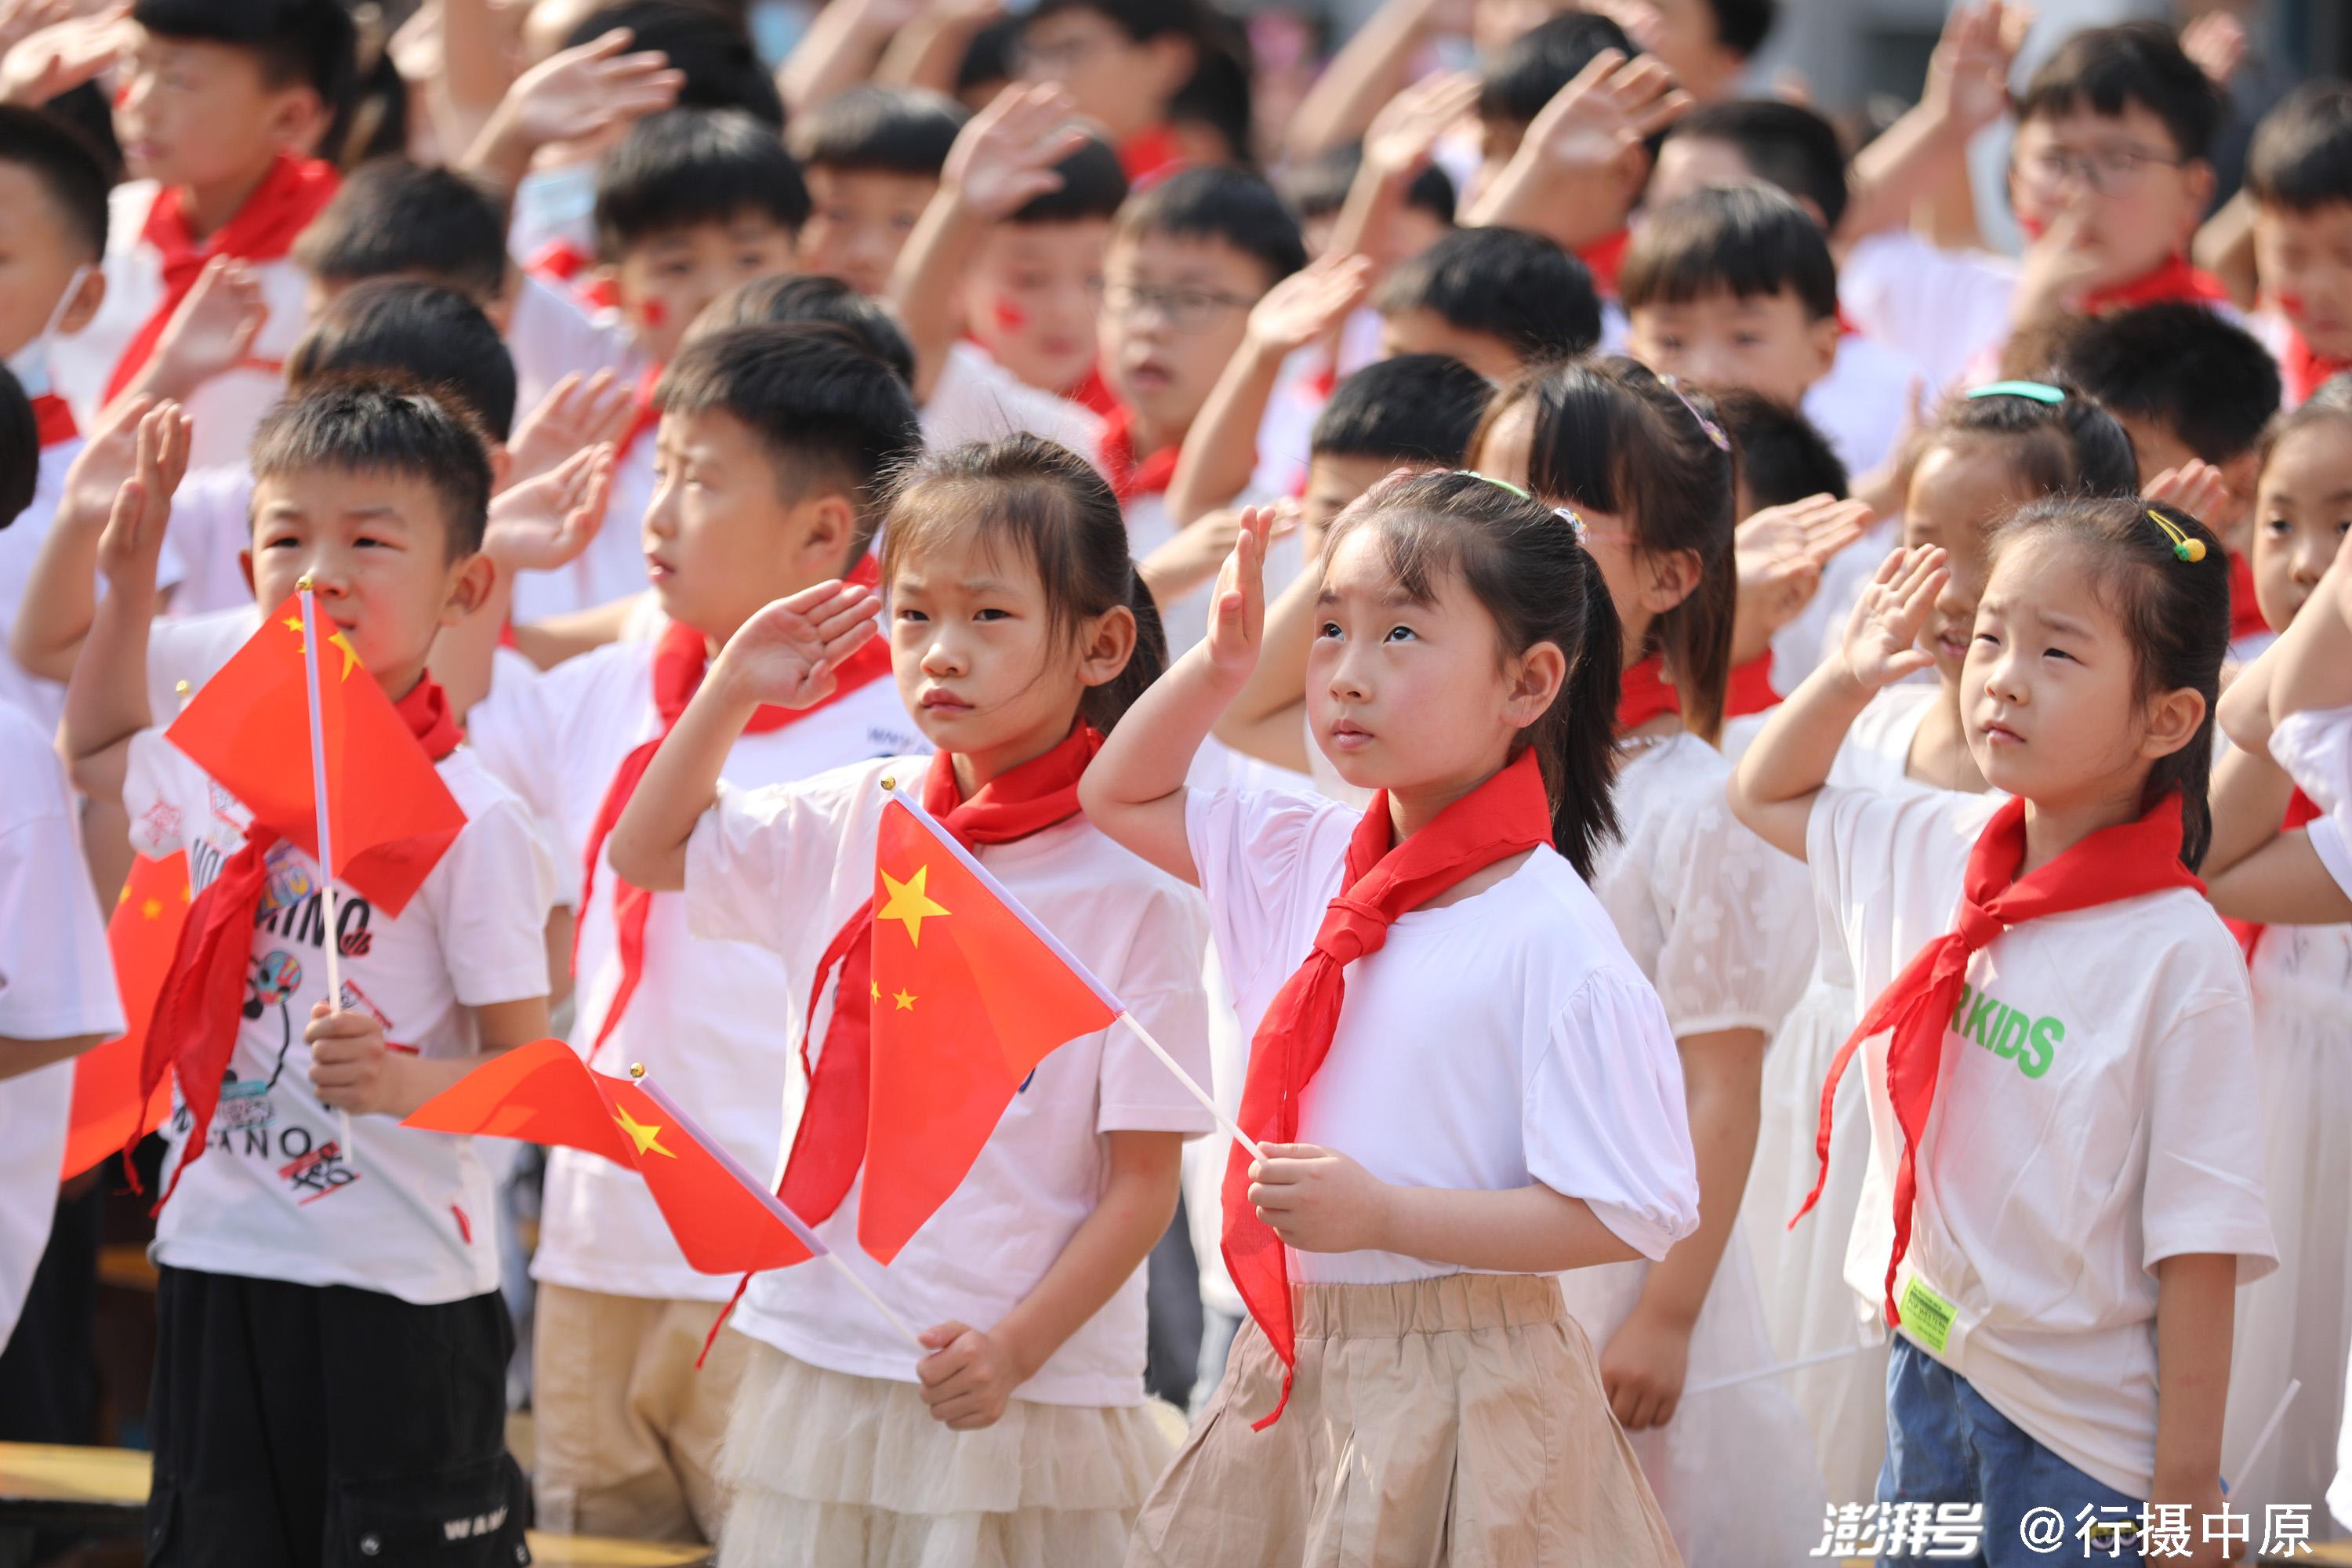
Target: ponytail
1577,740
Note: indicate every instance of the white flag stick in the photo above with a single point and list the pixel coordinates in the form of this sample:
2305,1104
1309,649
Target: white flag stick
1192,1086
1777,1369
312,644
2270,1429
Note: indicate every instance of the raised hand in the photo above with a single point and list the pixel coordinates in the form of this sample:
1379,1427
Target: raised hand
1607,112
60,55
1882,637
2216,42
543,524
1781,551
212,329
108,455
785,656
1004,157
2196,488
133,541
1402,135
1968,76
581,92
1306,305
576,413
1237,626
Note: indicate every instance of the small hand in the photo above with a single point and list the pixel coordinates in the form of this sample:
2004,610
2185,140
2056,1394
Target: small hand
213,329
584,92
968,1377
1237,625
1968,76
1605,114
2060,269
1883,635
1402,135
133,541
2196,488
1781,551
2216,42
20,19
1642,1369
61,55
785,655
543,524
577,413
1319,1200
1309,304
1004,157
351,1067
108,458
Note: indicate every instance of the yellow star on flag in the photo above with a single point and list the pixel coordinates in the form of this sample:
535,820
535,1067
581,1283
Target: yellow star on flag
875,986
341,639
646,1138
152,908
905,1000
909,904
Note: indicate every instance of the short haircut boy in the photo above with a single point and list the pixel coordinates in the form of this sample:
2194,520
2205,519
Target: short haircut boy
875,129
2104,70
2301,159
1228,204
1505,283
20,449
1093,185
1784,144
311,42
827,411
1417,409
1515,88
1318,187
67,168
432,337
813,296
1742,26
394,218
690,166
1783,455
2179,367
715,54
1744,241
381,424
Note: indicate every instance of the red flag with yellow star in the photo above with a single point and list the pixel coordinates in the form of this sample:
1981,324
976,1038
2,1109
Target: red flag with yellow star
107,1116
726,1221
969,994
250,728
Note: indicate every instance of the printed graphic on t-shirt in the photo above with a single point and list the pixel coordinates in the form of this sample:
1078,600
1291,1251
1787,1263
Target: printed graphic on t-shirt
1994,1025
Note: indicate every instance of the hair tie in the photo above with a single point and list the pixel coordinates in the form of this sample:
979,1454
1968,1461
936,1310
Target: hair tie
1714,431
2039,391
1566,514
2186,545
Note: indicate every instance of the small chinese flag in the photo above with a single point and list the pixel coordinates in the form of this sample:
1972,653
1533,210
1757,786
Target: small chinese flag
250,728
969,994
725,1220
107,1116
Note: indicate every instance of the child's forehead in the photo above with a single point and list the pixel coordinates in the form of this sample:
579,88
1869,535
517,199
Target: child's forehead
2330,220
2083,122
712,229
838,181
329,492
1173,255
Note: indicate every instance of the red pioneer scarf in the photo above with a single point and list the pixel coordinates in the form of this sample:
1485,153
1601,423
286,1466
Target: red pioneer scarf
2175,283
1605,259
1644,694
644,416
54,419
1150,155
1128,477
680,659
1501,818
2306,368
2115,863
197,1014
264,230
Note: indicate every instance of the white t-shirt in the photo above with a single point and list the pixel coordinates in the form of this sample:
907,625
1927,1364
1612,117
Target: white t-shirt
212,524
406,1213
550,335
977,399
785,866
192,648
43,702
57,979
2094,1116
2315,749
1943,309
225,409
704,1018
1861,404
1505,1040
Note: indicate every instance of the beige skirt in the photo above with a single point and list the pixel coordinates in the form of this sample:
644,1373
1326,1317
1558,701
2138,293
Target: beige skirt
1456,1421
828,1469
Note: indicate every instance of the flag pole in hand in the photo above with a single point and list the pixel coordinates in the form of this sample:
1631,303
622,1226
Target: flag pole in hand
310,645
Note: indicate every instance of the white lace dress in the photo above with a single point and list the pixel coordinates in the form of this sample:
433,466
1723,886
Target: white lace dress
1716,920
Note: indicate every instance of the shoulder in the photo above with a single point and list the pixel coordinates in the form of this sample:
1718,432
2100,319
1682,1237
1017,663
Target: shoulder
486,801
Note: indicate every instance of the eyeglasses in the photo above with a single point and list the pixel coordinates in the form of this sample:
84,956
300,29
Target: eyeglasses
2108,171
1189,310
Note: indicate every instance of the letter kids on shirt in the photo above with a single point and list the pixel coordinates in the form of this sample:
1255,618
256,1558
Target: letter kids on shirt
1019,632
383,1401
751,415
1466,657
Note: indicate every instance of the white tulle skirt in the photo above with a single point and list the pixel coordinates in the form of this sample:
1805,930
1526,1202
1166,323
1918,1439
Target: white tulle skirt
1733,1471
1808,1309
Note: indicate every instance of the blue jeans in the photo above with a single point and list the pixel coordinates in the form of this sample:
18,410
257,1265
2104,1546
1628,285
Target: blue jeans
1945,1444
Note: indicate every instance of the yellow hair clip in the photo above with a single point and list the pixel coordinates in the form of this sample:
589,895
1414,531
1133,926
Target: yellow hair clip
2189,548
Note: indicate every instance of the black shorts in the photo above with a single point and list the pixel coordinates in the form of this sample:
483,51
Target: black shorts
302,1425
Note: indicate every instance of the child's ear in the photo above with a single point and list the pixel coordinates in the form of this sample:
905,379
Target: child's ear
244,564
1536,676
1173,58
85,303
1824,337
2173,720
1671,576
1105,645
2198,178
825,520
298,120
502,466
469,587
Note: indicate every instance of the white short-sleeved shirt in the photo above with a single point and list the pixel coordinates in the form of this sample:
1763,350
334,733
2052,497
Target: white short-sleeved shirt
212,524
550,335
1942,309
704,1018
277,1196
2094,1115
2315,749
1714,915
1861,404
785,866
977,399
43,702
1505,1040
192,648
56,981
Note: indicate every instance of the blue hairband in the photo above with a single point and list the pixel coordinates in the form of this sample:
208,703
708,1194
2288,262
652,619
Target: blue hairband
2039,391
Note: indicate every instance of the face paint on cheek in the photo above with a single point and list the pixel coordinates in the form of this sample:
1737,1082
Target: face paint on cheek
2031,227
1008,314
654,312
2290,303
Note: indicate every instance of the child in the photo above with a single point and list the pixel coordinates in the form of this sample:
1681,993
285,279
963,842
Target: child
1421,216
1123,64
1709,43
2299,172
393,218
1498,300
53,234
2075,1178
1714,920
218,114
1018,631
360,1343
775,441
1984,458
873,157
1467,669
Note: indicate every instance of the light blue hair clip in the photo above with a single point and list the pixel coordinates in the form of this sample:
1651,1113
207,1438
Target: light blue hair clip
1714,431
2039,391
1565,514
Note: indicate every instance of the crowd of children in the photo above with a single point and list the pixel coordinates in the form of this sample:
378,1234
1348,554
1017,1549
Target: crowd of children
1723,821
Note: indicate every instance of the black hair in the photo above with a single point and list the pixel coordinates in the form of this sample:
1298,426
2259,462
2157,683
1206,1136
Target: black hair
431,335
1504,282
1611,437
20,449
2176,613
1092,187
1217,95
1784,144
813,296
987,60
2106,70
1229,205
68,169
689,167
1140,20
1318,187
827,411
705,45
1058,512
1540,62
1525,564
879,129
2071,448
312,42
1415,408
2182,366
1783,455
1742,26
2302,154
384,424
1750,241
394,217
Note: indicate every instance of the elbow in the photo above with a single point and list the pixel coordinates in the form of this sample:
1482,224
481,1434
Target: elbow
1741,798
48,663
